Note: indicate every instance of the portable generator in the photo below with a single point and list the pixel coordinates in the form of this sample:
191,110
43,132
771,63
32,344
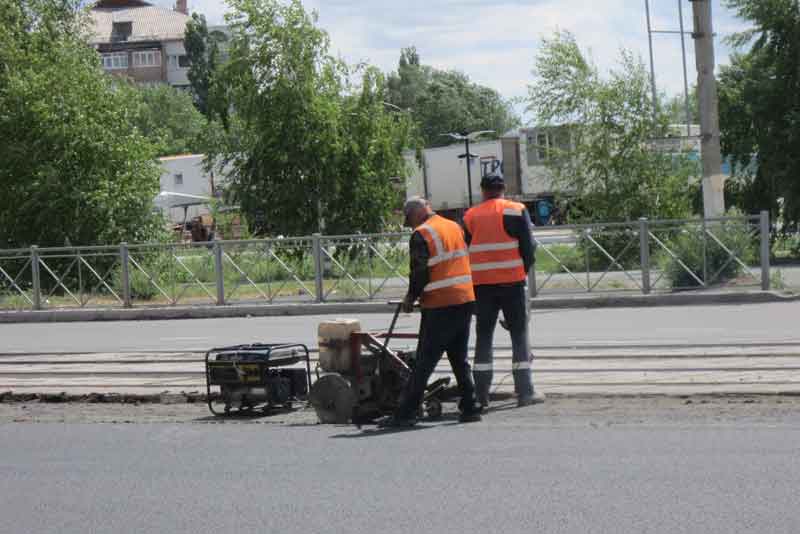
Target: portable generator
257,376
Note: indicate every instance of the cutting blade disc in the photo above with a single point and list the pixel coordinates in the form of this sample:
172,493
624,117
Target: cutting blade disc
332,399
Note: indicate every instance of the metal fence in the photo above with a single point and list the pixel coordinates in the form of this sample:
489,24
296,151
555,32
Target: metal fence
644,256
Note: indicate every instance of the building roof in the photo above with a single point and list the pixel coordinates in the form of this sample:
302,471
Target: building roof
148,23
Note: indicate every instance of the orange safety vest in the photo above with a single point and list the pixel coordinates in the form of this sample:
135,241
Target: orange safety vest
450,278
493,254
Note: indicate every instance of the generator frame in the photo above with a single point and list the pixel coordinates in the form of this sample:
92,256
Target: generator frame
252,373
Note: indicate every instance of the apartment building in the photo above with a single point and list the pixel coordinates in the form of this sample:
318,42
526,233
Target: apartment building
140,41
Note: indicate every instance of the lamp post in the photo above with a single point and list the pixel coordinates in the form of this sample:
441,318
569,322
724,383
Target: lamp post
467,156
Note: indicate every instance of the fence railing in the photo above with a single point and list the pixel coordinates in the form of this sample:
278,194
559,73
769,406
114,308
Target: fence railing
643,256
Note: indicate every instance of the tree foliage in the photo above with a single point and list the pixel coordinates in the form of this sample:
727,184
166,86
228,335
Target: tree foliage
446,101
74,168
205,61
309,148
604,129
168,118
760,108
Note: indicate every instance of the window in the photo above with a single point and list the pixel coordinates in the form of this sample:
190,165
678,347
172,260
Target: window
179,179
147,58
121,31
115,60
179,62
541,146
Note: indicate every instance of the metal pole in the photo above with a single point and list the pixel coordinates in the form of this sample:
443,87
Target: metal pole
685,73
765,282
586,253
35,275
652,60
644,253
218,267
705,252
124,258
532,289
316,242
469,173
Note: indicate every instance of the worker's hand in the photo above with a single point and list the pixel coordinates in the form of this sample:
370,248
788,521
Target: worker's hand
407,306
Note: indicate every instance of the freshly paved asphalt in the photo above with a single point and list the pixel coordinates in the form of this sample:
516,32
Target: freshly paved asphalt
504,478
753,323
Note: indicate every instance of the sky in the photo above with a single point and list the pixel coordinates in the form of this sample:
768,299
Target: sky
495,41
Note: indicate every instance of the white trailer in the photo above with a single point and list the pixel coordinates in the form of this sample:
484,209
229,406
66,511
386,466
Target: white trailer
442,177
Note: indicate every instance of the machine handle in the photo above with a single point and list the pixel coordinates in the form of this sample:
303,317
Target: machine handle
391,328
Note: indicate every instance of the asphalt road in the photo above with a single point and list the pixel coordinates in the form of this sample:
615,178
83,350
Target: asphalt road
534,473
754,323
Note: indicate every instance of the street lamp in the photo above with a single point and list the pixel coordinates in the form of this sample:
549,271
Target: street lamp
466,155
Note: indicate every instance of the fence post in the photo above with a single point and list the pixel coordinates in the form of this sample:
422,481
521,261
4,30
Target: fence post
36,279
218,268
644,253
533,291
765,282
316,242
124,258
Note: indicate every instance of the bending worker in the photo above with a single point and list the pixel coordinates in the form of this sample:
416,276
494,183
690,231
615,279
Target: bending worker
501,252
441,280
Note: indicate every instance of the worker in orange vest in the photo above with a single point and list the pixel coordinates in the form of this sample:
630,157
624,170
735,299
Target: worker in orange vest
441,279
501,252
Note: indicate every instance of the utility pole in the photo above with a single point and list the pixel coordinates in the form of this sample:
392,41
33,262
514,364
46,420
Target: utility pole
713,180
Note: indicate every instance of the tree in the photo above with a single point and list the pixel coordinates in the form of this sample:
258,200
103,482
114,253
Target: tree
309,149
446,101
168,118
675,107
203,51
759,96
75,169
605,127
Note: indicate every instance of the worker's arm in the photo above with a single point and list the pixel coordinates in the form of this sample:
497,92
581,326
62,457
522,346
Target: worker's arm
520,227
419,276
467,235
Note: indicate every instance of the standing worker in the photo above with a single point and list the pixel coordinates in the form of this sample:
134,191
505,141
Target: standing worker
440,278
501,252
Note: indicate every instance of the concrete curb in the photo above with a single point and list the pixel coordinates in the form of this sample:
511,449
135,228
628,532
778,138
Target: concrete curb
355,308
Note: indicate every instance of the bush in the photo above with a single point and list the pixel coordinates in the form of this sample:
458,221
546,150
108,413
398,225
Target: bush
687,245
621,243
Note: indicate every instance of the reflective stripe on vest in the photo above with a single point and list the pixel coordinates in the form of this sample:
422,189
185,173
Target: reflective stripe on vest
511,245
450,279
448,282
494,255
482,367
520,366
511,264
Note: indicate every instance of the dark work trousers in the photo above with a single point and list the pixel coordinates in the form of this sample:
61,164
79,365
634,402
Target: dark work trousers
441,330
513,300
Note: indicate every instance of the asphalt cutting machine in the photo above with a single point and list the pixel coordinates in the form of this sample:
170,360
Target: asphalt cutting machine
258,376
361,377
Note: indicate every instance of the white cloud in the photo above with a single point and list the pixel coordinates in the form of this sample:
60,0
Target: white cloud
494,41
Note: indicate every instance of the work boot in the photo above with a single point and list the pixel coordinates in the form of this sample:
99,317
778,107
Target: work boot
537,398
393,421
471,416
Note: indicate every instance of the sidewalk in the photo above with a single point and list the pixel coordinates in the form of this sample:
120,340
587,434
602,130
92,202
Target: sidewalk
578,300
